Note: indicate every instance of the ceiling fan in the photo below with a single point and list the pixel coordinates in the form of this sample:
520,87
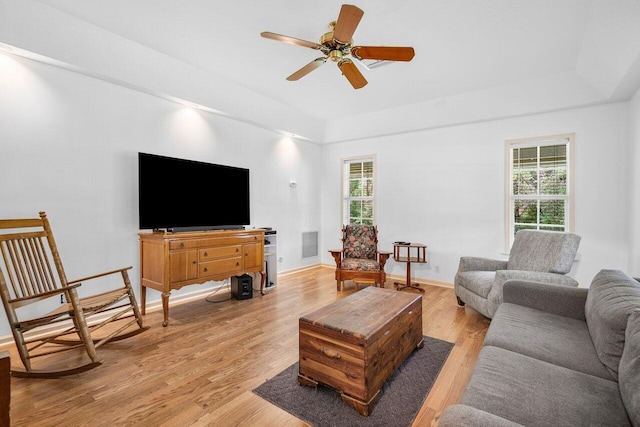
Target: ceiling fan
337,44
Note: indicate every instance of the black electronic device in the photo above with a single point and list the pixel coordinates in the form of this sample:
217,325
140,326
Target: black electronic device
181,195
242,287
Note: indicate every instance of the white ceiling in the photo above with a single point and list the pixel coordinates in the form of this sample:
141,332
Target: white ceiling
462,46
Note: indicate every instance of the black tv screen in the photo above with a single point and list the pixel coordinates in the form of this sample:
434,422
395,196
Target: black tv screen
177,194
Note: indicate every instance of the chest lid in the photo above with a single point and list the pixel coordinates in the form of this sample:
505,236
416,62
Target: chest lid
363,313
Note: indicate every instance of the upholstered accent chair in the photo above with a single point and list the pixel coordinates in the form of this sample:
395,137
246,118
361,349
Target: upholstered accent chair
537,256
359,257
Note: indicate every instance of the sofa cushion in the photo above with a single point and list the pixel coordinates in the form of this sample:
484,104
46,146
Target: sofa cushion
630,369
556,339
478,282
612,297
462,415
547,251
536,393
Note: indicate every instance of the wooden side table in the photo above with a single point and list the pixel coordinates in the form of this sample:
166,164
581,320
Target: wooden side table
409,252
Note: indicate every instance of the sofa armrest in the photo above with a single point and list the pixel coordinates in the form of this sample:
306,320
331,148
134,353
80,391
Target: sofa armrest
496,293
470,263
535,276
562,300
463,415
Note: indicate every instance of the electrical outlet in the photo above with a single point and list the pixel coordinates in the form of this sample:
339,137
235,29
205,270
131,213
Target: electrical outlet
279,259
437,268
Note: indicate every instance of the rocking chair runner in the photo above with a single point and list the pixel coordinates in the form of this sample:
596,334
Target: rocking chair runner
359,257
31,271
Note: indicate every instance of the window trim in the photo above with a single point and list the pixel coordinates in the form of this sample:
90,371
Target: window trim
344,196
571,183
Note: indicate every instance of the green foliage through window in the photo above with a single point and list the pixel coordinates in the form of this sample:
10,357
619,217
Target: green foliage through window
358,192
539,187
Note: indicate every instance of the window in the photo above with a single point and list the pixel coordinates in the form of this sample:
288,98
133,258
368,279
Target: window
539,184
357,190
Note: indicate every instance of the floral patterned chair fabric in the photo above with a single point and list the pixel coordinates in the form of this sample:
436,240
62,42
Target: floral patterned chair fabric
360,241
359,256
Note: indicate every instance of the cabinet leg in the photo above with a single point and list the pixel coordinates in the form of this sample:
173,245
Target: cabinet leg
165,308
262,279
143,299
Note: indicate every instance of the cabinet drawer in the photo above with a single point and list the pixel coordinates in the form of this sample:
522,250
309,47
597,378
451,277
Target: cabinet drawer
220,267
201,243
221,252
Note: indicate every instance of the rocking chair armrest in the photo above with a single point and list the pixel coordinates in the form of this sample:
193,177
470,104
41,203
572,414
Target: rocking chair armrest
47,294
106,273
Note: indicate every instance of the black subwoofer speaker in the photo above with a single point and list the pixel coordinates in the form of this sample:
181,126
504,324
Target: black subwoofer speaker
242,287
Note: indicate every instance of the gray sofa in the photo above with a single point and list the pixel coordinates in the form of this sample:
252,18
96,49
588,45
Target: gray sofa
558,356
538,256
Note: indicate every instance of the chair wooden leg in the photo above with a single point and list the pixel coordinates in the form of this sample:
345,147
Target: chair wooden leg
83,329
132,299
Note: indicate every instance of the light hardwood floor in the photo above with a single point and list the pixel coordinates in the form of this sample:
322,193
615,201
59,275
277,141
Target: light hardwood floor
202,368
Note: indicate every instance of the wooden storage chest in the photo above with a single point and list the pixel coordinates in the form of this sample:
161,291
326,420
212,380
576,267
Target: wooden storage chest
356,343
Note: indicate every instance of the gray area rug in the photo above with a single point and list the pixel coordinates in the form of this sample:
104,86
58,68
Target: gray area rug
400,399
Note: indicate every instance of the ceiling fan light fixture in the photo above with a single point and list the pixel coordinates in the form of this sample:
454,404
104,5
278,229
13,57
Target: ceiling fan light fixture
335,55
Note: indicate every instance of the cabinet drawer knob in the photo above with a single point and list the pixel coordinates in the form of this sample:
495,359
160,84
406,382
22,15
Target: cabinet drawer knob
237,250
206,254
237,264
194,262
330,353
182,244
206,269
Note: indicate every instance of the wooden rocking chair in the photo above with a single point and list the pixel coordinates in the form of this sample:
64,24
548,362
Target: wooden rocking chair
31,272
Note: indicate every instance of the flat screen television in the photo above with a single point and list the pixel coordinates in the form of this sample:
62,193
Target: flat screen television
184,195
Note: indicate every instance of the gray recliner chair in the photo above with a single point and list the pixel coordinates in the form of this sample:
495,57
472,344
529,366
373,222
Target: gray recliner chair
538,256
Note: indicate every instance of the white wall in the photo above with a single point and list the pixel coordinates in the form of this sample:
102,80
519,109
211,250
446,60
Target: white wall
445,188
634,185
69,144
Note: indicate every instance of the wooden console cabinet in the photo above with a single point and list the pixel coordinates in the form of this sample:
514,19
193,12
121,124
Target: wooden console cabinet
172,260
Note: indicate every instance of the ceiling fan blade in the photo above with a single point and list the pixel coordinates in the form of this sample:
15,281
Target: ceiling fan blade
385,53
291,40
351,72
347,23
307,69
